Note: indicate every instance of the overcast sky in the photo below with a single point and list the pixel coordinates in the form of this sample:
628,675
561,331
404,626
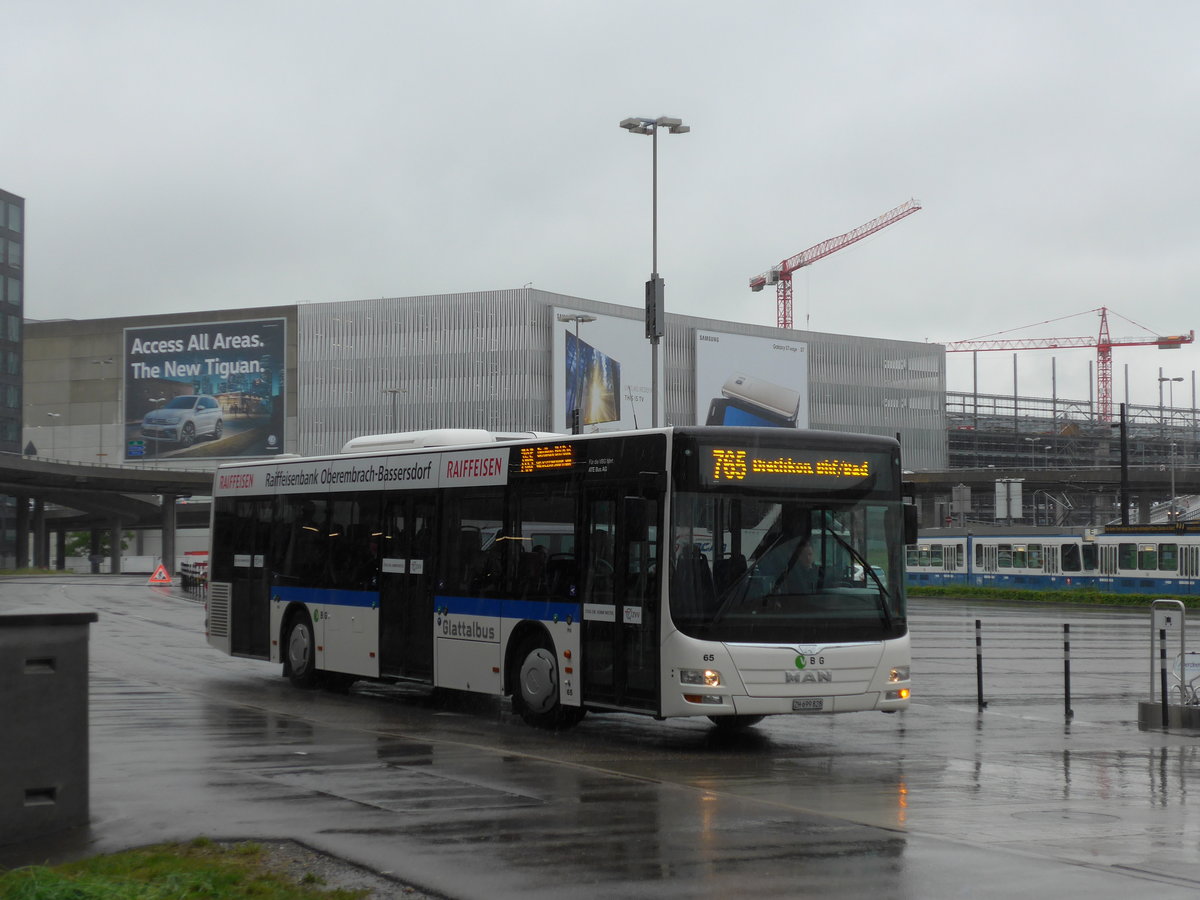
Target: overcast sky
216,155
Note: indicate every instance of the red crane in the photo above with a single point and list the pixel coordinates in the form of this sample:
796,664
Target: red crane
1103,344
781,275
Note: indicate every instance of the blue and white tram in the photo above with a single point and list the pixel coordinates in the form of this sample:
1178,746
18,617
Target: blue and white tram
1129,559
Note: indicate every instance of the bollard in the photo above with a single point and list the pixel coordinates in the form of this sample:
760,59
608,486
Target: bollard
1162,674
979,663
1070,713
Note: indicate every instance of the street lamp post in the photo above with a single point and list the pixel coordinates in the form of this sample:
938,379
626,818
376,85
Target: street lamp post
654,287
394,392
577,318
53,415
1171,513
101,362
1171,381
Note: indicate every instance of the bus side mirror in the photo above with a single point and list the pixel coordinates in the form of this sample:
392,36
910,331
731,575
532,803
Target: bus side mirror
910,524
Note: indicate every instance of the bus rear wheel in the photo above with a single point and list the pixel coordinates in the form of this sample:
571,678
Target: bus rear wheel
300,651
535,687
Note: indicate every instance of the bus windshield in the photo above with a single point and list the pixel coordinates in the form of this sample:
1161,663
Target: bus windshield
766,569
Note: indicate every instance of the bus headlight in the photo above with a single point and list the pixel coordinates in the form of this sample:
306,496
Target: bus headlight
706,677
902,694
899,673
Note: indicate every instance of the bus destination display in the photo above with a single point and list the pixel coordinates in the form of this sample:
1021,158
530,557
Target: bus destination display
545,457
764,467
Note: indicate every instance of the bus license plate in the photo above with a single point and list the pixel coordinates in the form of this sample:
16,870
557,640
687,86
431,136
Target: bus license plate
808,704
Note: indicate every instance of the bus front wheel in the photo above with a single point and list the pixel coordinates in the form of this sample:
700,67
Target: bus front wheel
535,684
300,649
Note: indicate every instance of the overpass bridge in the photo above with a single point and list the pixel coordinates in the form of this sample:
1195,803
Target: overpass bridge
73,496
1077,495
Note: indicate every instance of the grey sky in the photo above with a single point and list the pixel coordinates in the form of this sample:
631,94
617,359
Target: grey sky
216,155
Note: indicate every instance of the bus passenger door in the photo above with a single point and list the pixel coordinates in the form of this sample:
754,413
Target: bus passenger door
242,559
406,588
620,600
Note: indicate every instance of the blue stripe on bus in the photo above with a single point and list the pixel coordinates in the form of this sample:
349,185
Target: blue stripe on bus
500,607
326,596
497,607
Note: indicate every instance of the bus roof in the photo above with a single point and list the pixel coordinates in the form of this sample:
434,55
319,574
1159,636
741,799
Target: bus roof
437,437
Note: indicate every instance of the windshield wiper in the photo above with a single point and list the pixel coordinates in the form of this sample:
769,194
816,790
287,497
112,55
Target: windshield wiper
884,595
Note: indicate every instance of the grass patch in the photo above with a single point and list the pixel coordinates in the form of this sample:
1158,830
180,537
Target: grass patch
199,869
1082,596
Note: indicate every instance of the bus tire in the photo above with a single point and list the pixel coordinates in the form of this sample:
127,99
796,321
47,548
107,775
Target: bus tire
535,687
735,723
300,651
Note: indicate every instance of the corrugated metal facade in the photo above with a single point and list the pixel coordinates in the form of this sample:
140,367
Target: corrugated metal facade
483,360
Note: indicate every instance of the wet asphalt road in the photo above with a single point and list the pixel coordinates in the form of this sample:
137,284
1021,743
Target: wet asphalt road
944,800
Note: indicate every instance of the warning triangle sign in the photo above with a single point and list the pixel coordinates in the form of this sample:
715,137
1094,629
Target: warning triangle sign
160,576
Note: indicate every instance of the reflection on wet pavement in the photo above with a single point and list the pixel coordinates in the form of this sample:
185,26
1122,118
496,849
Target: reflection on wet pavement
460,798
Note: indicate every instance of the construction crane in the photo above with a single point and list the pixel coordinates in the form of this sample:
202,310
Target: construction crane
781,275
1103,344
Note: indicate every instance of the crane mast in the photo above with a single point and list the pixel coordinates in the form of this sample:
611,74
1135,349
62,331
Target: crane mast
781,275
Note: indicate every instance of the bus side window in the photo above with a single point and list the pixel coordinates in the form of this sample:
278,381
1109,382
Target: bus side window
304,561
474,520
544,520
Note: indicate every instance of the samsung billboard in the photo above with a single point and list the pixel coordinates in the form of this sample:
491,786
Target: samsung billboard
212,389
745,380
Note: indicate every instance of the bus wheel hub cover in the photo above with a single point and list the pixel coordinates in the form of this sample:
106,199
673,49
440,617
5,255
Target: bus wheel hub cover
539,683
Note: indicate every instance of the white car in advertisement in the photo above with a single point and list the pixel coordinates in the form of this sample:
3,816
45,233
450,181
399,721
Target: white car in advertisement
184,419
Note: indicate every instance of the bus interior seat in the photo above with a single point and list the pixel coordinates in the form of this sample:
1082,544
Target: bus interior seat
470,548
693,582
561,574
728,570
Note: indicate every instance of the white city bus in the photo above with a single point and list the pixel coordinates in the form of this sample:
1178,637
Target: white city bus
658,571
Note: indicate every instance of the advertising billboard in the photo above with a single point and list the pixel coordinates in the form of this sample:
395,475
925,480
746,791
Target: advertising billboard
593,383
744,380
212,389
601,367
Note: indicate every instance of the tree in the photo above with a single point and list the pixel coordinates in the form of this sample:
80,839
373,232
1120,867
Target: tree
79,543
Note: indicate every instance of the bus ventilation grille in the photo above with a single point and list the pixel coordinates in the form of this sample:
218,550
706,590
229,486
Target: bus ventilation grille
218,609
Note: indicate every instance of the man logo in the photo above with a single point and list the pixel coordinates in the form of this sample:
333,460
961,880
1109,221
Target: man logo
814,676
